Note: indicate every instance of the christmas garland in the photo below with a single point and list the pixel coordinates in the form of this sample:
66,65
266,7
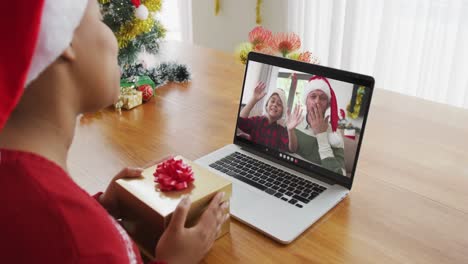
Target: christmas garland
138,84
355,110
161,74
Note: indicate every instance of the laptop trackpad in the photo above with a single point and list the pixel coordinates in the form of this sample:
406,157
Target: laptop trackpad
243,200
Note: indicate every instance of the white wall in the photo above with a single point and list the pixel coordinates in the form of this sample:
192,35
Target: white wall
251,80
343,92
233,23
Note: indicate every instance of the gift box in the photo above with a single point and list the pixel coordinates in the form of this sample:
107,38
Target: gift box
146,210
129,98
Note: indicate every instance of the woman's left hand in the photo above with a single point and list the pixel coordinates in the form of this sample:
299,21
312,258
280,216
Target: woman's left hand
109,198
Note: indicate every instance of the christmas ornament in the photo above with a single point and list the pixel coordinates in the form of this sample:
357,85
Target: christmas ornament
147,91
258,14
141,12
173,175
258,10
136,3
217,6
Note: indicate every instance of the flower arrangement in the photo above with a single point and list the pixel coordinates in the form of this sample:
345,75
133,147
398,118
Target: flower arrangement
282,44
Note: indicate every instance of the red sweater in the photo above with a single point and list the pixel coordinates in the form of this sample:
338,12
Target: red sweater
47,218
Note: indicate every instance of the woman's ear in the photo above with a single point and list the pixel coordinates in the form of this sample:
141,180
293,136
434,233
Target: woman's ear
68,54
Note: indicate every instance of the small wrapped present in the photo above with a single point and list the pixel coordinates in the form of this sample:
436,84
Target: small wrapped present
129,98
147,203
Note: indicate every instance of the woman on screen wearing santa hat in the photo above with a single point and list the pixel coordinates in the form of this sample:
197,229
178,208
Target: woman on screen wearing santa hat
317,141
57,60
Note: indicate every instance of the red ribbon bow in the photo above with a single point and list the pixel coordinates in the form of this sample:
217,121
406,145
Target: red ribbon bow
173,175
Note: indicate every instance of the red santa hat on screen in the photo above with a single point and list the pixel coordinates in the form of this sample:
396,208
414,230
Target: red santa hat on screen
322,83
34,33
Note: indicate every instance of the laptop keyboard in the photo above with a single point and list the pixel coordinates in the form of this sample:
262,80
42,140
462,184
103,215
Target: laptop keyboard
276,182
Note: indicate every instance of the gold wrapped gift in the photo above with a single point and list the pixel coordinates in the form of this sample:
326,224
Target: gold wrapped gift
146,211
129,98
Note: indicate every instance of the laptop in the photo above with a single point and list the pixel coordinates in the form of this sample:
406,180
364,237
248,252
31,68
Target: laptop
278,189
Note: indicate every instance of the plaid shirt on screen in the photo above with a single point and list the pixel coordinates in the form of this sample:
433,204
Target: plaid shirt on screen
272,135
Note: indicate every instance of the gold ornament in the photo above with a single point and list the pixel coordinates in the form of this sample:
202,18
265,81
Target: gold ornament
217,5
258,13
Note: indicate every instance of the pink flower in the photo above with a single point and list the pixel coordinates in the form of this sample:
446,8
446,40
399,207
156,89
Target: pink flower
304,56
259,37
266,50
285,43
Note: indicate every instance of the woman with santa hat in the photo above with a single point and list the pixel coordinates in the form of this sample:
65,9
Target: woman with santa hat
317,140
57,60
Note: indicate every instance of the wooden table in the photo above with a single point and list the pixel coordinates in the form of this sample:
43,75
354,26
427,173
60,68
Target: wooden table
409,203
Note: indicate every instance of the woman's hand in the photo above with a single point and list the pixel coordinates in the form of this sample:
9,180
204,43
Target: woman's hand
109,198
189,245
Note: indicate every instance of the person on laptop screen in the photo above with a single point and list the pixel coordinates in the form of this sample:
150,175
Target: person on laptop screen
265,129
318,141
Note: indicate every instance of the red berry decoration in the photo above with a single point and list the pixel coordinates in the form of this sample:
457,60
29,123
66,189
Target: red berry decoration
147,91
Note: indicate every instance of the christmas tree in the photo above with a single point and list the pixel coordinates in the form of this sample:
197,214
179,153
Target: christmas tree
135,26
137,29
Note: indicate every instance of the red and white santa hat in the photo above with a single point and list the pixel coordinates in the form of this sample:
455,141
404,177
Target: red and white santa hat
35,33
322,83
282,95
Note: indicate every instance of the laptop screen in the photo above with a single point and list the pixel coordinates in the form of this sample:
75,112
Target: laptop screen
308,116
